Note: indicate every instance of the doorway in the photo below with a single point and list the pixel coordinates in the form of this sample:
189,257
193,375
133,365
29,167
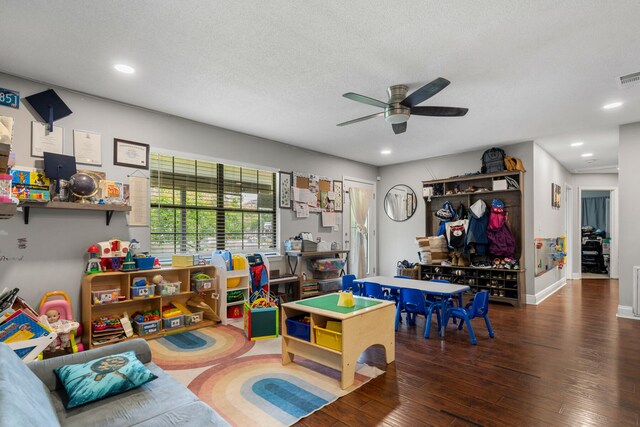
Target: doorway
360,241
598,233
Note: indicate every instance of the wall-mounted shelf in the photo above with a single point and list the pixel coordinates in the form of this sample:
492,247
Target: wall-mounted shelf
109,209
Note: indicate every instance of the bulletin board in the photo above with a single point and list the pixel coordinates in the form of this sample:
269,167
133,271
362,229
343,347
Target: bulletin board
313,193
549,254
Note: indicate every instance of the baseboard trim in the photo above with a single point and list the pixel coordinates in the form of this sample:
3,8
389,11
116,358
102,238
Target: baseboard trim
626,312
546,292
577,276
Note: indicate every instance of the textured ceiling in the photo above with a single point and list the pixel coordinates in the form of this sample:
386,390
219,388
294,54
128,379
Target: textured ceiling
277,69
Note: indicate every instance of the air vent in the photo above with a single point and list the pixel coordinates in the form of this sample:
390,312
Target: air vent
630,80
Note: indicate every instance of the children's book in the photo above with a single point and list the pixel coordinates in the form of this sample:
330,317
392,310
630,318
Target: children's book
19,327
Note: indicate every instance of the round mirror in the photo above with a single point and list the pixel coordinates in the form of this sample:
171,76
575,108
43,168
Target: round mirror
400,202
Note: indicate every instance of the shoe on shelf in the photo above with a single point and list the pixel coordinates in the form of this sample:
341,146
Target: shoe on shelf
446,263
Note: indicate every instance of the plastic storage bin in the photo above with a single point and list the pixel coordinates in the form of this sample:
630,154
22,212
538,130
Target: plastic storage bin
145,263
298,329
166,289
173,322
105,297
330,285
141,292
199,285
330,336
146,328
193,318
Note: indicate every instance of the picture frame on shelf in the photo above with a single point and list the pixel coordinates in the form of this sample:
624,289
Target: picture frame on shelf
286,181
339,196
131,154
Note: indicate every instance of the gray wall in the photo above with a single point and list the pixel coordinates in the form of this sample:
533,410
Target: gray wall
629,203
397,239
548,221
57,241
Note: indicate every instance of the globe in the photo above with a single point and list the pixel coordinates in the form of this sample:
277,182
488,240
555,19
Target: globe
83,186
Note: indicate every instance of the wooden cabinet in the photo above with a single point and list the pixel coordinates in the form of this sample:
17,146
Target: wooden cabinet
503,285
108,285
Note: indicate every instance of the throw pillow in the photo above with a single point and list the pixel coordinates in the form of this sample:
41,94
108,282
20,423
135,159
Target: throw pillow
104,377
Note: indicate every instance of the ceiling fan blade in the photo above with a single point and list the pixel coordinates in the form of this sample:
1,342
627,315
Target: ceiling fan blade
399,127
361,119
439,111
425,92
365,100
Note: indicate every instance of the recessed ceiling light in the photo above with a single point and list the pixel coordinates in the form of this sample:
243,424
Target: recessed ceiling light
123,68
612,105
385,152
577,144
587,155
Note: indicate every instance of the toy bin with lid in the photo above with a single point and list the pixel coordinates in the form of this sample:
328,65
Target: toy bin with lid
299,327
141,292
146,328
193,318
105,297
199,285
173,322
329,336
145,263
168,288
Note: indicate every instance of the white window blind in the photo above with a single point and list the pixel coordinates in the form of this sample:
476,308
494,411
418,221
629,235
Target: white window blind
200,206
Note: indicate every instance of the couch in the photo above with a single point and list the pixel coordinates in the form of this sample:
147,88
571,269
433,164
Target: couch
32,395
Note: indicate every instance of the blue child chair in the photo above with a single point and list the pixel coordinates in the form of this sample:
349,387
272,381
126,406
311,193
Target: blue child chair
478,308
374,290
413,302
348,285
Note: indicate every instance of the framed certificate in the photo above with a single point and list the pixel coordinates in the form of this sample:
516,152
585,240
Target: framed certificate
87,147
131,154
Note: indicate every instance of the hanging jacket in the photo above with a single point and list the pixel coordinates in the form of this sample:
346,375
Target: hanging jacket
501,240
478,224
446,214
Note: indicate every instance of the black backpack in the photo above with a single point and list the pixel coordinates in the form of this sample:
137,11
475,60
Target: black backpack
493,160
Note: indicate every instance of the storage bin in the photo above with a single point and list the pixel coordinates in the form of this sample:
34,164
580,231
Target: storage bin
199,285
330,336
170,288
330,285
193,318
292,245
145,263
105,297
146,328
234,312
141,292
309,246
173,322
298,329
413,273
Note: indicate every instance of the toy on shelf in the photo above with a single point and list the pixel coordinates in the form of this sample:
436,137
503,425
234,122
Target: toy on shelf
172,316
59,313
107,329
112,253
93,265
140,288
201,282
128,264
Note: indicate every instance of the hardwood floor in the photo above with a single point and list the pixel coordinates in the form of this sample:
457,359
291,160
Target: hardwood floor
569,361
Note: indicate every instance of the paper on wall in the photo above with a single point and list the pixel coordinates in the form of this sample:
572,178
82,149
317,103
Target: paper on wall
331,195
302,210
329,219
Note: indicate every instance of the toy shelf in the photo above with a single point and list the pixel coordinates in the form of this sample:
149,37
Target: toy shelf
108,208
223,278
122,282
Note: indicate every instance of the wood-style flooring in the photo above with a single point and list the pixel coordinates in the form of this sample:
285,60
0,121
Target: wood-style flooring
567,362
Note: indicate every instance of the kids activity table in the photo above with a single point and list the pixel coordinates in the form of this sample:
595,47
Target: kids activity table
368,323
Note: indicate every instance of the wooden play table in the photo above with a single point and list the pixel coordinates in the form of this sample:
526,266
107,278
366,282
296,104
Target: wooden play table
368,323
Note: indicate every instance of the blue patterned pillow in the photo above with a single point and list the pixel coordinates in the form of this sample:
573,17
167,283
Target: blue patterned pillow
104,377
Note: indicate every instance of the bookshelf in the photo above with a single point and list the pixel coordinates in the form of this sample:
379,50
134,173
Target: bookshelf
121,281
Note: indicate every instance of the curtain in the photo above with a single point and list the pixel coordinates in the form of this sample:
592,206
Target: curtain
594,212
360,199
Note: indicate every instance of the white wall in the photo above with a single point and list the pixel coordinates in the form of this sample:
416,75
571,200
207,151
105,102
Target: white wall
57,241
548,221
629,204
589,181
397,239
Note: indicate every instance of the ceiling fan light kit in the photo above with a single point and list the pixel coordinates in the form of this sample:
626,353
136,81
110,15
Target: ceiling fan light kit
400,106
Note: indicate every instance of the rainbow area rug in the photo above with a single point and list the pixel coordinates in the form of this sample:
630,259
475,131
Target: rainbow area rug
244,381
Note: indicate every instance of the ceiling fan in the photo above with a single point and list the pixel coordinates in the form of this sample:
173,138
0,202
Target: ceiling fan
400,106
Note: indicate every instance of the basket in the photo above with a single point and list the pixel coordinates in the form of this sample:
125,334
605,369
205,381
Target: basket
105,297
146,328
309,246
329,336
199,285
141,292
298,329
145,263
413,273
173,322
193,318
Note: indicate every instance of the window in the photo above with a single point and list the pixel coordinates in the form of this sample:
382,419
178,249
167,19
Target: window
199,206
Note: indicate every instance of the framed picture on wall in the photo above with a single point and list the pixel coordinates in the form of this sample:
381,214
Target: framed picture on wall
286,180
129,153
339,194
555,195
